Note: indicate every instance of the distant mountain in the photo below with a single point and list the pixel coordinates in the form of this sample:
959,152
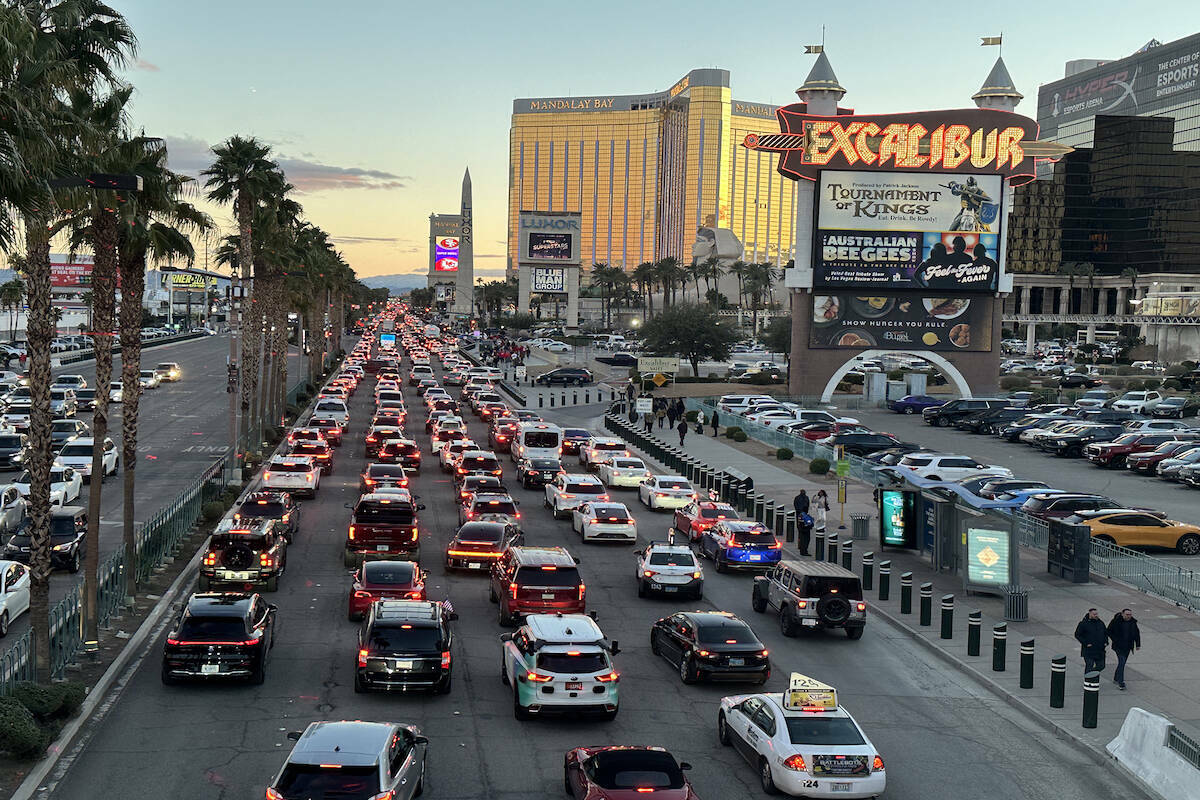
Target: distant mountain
398,283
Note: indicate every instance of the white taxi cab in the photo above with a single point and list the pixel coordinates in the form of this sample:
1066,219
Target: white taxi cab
802,742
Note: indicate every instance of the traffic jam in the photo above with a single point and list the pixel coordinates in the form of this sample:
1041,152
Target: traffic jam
551,653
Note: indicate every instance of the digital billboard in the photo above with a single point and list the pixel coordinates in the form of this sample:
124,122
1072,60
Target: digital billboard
550,246
897,518
903,230
904,322
548,279
66,273
548,237
445,254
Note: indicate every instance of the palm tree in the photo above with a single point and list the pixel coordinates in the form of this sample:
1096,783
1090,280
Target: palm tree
711,272
1071,270
1129,272
644,276
738,269
669,272
12,294
607,279
695,271
759,281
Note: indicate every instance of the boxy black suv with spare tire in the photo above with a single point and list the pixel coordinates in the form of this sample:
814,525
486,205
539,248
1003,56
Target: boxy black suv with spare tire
811,595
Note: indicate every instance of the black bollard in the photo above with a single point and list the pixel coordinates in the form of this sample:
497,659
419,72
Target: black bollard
564,398
974,632
1091,699
906,593
885,580
831,543
541,401
868,567
847,553
1027,664
587,397
947,616
819,546
551,401
926,604
1058,681
574,398
999,645
789,525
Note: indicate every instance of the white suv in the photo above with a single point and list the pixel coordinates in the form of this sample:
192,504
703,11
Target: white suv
669,568
942,467
1137,402
567,491
560,663
296,474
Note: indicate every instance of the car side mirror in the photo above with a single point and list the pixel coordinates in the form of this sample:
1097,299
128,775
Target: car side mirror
345,505
420,506
684,765
420,740
593,615
614,648
577,561
294,735
506,637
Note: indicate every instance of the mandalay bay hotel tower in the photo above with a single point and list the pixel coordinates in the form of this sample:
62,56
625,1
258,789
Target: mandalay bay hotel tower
646,171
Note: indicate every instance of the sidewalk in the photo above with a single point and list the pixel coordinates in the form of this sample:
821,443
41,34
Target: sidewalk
1161,676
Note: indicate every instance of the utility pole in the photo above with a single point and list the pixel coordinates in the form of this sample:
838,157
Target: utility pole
233,388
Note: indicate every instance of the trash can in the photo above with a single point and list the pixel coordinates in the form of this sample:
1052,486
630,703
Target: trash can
1016,604
861,526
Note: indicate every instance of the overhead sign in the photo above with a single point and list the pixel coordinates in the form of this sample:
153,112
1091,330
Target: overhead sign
977,140
550,279
549,237
187,280
905,321
657,364
901,230
989,557
643,405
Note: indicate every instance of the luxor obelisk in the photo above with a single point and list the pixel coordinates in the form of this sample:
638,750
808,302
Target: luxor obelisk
464,286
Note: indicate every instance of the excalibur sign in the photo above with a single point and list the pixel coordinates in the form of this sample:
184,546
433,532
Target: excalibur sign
963,140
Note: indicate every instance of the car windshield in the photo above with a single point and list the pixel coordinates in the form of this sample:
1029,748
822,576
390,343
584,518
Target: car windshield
10,442
70,450
824,731
147,373
552,576
383,513
344,783
408,639
62,527
672,559
272,509
544,463
577,663
576,433
670,484
720,512
212,628
634,769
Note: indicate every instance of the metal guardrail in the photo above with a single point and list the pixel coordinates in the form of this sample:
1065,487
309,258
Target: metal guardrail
77,356
1187,747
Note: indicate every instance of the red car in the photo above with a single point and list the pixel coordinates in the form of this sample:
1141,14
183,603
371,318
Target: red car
384,580
815,431
619,772
695,518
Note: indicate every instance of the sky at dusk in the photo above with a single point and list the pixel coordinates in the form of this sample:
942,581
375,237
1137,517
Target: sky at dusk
374,108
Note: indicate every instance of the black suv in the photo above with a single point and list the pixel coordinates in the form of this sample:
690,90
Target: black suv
14,449
220,635
811,594
863,443
990,420
951,412
1072,444
565,376
279,506
251,553
1058,506
68,544
405,645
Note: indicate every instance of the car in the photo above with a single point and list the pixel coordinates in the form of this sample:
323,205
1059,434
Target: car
77,454
948,413
253,552
1116,452
383,580
1077,380
66,484
486,506
445,432
948,467
477,545
501,433
1095,398
616,772
811,595
573,439
533,472
560,663
449,452
1128,527
14,449
666,492
68,539
379,433
331,429
536,580
623,472
802,742
1147,462
1150,425
14,593
63,403
602,520
477,462
85,399
353,759
1137,402
168,371
857,443
404,452
298,474
148,379
991,488
116,392
377,476
599,447
694,518
740,544
66,430
471,485
278,506
1178,407
568,490
316,449
220,635
69,382
405,645
1059,505
1075,440
665,567
565,376
989,420
13,510
16,416
710,645
333,408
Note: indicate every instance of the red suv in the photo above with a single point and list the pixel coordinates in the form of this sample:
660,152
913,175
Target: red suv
383,526
1114,453
1147,462
536,580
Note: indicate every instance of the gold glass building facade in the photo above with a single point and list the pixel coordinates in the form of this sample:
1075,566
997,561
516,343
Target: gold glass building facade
646,171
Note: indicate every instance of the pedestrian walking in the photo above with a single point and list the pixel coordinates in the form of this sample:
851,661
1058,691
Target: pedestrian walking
21,358
714,421
820,511
662,416
682,431
649,419
1093,638
1125,637
671,415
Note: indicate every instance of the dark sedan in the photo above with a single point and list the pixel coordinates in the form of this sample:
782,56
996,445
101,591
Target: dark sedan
712,645
565,376
1177,407
913,403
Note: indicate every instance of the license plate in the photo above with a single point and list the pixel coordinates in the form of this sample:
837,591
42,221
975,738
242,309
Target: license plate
474,565
239,576
404,665
670,588
210,669
840,787
737,662
756,558
547,595
382,548
574,686
809,623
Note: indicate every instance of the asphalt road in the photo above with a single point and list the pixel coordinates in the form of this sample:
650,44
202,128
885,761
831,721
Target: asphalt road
942,735
182,427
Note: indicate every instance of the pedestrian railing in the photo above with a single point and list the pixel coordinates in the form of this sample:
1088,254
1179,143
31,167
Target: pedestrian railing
1187,747
1151,575
1031,531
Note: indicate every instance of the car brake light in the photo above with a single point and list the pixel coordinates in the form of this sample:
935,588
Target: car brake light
273,795
210,560
266,476
644,789
308,477
877,764
802,603
862,606
796,762
264,559
581,589
538,677
609,678
649,573
446,662
351,532
512,588
361,594
362,658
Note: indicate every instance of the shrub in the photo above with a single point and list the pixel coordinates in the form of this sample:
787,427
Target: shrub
784,454
818,466
292,411
691,416
73,695
1151,383
731,431
1172,385
1124,369
762,379
212,510
19,731
740,436
1175,370
896,375
1014,382
854,379
1135,385
302,398
1116,384
42,700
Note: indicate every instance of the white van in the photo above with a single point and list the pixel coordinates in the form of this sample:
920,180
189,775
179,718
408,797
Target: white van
740,403
537,439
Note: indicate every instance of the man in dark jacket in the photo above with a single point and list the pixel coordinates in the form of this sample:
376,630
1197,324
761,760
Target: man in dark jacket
1093,638
1125,637
683,429
801,503
714,421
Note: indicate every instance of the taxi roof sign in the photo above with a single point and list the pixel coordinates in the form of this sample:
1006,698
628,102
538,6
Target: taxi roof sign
808,694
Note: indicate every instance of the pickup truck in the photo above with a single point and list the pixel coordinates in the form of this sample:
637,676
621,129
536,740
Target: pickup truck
1114,453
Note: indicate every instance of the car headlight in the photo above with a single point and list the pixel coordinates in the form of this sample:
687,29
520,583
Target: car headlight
61,547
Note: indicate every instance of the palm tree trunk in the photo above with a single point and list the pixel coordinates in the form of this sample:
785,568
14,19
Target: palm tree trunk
133,285
104,273
39,331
